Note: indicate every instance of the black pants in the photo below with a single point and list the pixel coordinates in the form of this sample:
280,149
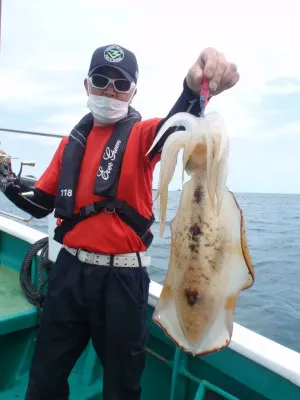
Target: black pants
106,304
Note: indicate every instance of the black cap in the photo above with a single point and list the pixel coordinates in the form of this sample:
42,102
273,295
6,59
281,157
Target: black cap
117,57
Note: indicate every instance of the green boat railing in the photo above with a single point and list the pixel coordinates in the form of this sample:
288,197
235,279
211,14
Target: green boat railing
251,368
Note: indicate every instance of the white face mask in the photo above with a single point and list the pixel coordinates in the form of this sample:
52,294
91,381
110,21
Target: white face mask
107,110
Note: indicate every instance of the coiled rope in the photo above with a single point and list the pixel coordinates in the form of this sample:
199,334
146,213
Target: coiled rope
33,294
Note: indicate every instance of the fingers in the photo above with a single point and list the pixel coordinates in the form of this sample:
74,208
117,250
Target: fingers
222,74
194,77
230,77
209,61
198,73
233,81
213,66
221,67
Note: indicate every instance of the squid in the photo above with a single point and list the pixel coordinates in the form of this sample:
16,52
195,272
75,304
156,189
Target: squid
209,262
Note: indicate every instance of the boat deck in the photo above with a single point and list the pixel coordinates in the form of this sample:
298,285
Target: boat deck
12,300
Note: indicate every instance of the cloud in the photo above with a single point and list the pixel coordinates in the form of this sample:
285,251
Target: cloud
284,87
291,128
46,50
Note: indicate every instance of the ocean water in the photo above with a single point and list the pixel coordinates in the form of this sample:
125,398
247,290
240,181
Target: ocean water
271,307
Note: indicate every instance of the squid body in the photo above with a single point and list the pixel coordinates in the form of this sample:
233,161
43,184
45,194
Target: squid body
209,261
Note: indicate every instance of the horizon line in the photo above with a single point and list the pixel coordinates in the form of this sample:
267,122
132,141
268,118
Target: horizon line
239,192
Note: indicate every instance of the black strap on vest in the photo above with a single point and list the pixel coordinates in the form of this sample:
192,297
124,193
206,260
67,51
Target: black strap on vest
106,181
107,177
128,214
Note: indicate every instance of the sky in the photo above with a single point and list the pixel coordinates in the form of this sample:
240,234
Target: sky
45,54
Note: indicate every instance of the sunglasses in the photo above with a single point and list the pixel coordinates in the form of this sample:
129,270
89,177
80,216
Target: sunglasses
101,82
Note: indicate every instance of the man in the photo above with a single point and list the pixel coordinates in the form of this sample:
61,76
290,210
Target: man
100,184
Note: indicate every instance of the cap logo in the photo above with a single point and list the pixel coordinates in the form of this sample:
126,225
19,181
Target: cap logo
113,54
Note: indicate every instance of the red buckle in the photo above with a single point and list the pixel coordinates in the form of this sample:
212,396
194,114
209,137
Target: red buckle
204,91
59,221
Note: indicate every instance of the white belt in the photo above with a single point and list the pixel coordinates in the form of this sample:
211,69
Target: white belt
119,260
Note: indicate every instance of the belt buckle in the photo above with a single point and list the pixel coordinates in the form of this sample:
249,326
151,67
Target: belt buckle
109,210
97,259
88,257
87,210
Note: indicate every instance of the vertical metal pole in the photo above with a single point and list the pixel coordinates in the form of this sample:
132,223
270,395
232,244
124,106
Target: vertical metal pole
0,21
175,372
